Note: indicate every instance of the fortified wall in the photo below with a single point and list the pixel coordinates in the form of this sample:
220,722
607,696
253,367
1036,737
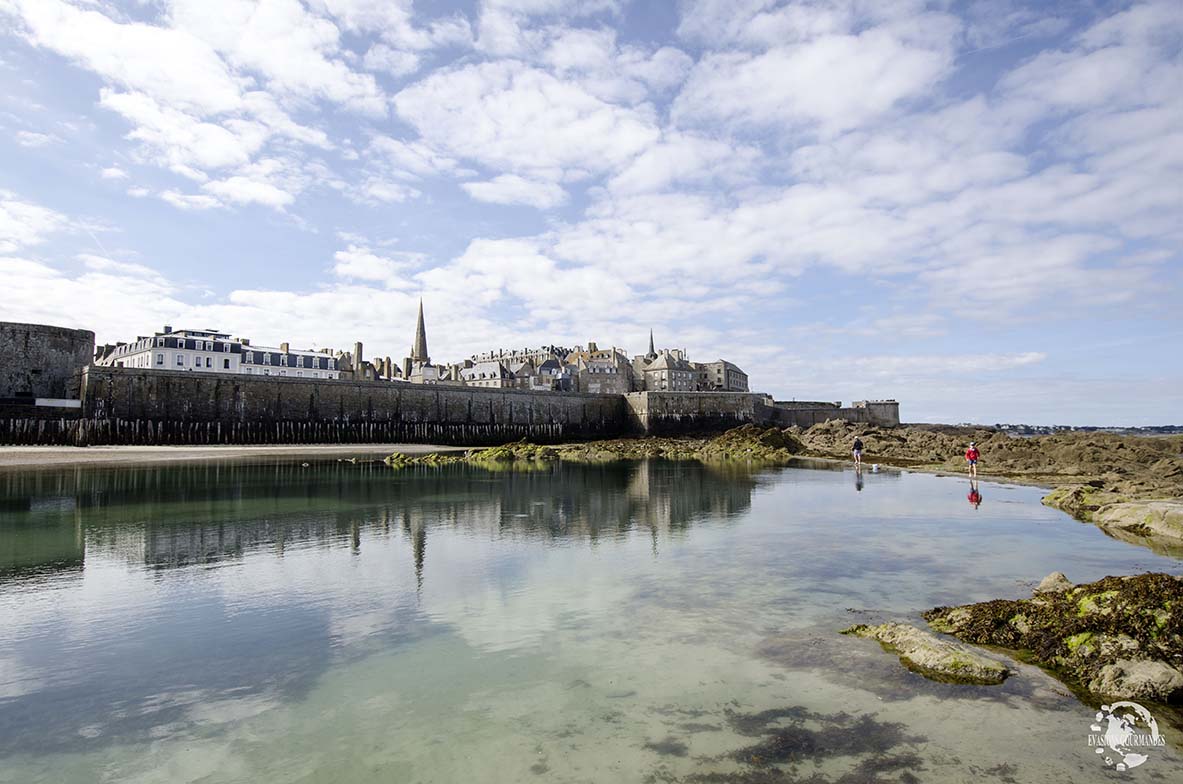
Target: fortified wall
40,361
116,405
674,413
146,406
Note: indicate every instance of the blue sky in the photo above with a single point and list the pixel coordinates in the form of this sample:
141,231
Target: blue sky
976,208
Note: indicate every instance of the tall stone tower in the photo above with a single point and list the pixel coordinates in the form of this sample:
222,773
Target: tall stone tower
419,349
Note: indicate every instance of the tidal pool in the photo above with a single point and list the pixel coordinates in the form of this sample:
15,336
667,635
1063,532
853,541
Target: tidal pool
648,622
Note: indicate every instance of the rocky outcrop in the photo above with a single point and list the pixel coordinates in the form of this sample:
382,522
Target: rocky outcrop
932,657
1148,518
1056,582
1119,637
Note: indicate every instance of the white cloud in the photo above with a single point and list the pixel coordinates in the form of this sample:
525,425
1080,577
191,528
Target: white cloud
831,83
34,139
512,117
23,224
167,64
298,53
359,262
113,173
189,201
243,190
103,264
512,189
395,62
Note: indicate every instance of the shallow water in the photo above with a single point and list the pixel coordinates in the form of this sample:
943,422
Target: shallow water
657,622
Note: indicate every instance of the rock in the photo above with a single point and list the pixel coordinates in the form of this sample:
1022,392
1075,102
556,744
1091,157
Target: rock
1055,582
1127,679
1147,518
932,657
1114,636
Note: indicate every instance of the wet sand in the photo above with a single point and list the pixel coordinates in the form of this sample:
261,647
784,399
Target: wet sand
25,457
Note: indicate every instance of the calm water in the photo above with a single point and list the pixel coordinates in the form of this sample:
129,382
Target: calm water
651,622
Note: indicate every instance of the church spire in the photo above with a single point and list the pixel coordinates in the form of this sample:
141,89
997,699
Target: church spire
652,353
419,350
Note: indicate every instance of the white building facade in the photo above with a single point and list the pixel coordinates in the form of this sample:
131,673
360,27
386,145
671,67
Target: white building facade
211,351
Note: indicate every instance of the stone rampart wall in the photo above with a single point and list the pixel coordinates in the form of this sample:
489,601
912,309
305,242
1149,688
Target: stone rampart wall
37,360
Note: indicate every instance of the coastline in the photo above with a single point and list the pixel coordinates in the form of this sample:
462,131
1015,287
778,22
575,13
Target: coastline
37,457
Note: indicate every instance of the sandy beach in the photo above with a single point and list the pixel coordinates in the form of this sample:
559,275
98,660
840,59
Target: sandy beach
25,457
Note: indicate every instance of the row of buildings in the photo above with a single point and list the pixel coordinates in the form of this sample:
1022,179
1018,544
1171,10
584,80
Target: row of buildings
588,369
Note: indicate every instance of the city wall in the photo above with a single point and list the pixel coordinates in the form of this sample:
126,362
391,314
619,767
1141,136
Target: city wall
40,361
148,406
674,413
137,406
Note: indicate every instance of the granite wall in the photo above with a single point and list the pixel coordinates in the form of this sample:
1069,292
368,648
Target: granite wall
40,361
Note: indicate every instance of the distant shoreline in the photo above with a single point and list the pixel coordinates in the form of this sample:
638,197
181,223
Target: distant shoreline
35,457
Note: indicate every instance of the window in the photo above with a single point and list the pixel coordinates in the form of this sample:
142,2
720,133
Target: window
209,346
180,360
160,359
283,360
283,372
299,361
299,372
266,372
160,341
209,362
315,374
266,359
196,361
248,371
225,364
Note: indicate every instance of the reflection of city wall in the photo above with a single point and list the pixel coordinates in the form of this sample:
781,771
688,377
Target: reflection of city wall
174,516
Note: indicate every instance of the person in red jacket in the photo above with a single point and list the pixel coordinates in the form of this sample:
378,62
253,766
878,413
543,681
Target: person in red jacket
971,457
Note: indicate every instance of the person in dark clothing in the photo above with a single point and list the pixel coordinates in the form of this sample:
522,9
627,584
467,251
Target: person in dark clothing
857,451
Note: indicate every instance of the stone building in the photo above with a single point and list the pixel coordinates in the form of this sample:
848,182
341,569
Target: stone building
671,370
600,371
720,376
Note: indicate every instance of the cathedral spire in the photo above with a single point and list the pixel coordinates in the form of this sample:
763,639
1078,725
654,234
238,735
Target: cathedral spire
652,353
419,350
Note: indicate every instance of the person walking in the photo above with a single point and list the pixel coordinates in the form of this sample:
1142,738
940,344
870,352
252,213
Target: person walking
857,451
972,455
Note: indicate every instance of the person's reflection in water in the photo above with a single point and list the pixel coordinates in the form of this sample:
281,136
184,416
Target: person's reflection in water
975,497
858,477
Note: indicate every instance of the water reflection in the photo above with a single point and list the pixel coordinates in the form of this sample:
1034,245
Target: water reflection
175,650
175,517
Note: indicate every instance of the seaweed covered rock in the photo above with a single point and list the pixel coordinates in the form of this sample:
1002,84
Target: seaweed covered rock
1119,637
932,657
518,451
752,442
402,460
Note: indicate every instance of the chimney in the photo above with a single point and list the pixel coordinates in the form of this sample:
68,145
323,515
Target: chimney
245,341
357,355
167,329
283,347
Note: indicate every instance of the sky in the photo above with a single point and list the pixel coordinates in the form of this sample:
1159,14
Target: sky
975,208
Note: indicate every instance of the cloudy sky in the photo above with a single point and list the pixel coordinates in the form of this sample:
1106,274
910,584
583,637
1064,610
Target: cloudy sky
973,207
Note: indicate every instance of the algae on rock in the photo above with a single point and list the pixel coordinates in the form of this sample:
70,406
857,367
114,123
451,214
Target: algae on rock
1119,637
